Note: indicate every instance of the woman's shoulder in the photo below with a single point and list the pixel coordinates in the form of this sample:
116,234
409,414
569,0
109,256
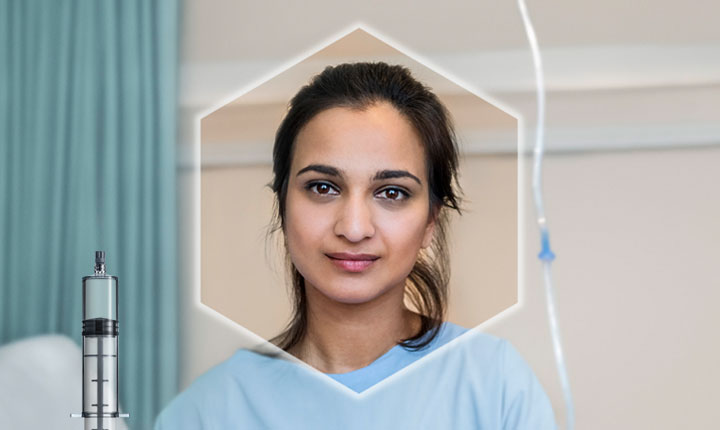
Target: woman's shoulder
244,364
186,409
470,350
502,368
244,391
493,366
470,353
486,347
225,383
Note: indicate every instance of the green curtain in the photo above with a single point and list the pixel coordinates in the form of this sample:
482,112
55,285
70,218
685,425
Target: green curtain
88,115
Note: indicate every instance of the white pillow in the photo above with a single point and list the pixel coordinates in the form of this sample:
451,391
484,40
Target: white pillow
41,384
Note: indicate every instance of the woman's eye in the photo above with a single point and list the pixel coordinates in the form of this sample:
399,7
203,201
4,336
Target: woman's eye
395,194
321,188
326,189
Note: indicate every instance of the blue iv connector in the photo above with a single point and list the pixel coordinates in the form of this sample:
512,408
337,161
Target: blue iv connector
546,253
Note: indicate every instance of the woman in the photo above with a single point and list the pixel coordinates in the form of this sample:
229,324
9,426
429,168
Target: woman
365,165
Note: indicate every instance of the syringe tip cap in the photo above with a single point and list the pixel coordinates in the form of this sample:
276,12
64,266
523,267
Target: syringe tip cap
99,257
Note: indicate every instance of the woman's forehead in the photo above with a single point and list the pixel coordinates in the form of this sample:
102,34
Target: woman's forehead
360,141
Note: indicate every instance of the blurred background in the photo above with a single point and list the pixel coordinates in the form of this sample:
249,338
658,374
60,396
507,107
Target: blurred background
100,107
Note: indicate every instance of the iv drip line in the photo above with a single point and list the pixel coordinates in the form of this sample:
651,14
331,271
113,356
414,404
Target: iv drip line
546,255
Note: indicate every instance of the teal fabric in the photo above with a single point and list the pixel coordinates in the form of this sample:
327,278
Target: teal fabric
87,162
476,381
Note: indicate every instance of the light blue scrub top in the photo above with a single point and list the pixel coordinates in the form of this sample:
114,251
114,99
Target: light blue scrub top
473,381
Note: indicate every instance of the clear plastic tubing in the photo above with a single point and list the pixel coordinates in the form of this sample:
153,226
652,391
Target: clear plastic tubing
546,255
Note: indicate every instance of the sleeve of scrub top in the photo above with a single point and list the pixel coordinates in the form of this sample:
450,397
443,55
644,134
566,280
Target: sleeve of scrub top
525,403
181,414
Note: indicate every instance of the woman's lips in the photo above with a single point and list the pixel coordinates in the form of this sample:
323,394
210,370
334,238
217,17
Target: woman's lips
352,265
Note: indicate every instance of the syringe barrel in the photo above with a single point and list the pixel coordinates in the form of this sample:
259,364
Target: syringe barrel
100,349
100,384
100,298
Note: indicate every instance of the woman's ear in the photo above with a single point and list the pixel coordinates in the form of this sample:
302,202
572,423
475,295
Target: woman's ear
430,228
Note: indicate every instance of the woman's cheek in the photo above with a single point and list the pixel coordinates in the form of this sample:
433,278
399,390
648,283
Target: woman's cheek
401,224
308,224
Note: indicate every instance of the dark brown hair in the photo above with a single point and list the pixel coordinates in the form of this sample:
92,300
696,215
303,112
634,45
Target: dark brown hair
359,86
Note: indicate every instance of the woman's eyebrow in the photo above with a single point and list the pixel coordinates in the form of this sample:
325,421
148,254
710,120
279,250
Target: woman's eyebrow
380,175
321,168
388,174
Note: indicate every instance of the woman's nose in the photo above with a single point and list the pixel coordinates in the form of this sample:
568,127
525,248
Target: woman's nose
354,220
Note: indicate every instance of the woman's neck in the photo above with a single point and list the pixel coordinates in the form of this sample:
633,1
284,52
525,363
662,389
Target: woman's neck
344,337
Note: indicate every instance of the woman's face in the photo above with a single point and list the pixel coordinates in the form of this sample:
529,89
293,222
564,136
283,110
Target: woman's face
357,185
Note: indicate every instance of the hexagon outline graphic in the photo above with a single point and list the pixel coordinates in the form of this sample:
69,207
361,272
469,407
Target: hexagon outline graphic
261,343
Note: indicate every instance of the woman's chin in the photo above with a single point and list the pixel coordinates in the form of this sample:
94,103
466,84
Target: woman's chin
351,295
350,290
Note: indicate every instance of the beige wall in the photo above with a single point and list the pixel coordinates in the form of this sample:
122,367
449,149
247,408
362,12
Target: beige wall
638,240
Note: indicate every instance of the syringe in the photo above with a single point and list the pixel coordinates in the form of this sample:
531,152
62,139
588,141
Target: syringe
100,349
